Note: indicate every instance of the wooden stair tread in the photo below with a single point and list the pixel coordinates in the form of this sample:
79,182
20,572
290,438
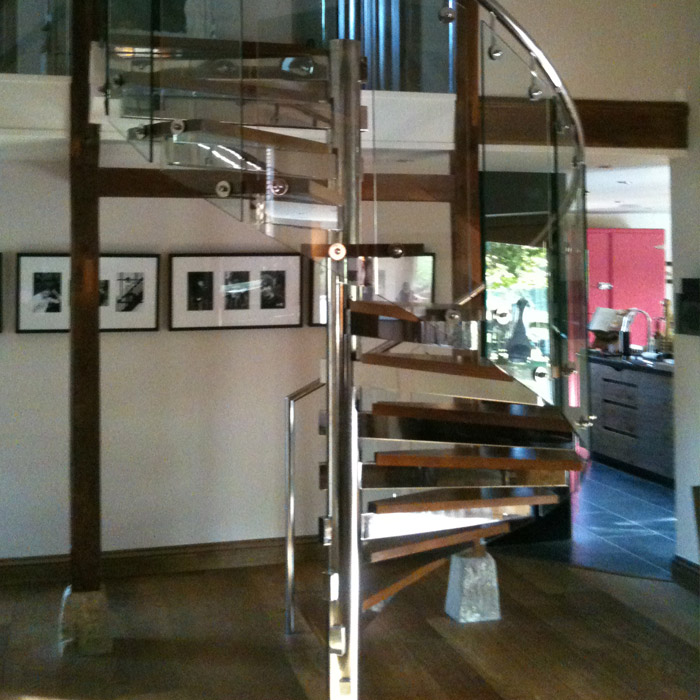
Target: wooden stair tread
251,134
456,499
480,412
411,429
453,540
383,308
376,477
436,363
402,573
270,88
483,457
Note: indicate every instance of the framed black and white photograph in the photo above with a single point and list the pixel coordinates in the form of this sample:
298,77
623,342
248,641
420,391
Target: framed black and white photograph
408,281
43,299
128,293
234,291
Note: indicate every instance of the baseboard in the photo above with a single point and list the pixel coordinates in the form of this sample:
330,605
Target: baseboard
161,560
686,573
634,471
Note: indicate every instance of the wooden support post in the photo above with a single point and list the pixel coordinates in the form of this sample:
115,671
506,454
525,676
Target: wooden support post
84,338
467,273
8,36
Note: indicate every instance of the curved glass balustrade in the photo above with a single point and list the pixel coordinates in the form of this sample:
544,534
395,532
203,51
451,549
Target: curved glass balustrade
242,105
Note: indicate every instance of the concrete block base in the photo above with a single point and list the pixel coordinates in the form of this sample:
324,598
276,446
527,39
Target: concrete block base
472,589
84,623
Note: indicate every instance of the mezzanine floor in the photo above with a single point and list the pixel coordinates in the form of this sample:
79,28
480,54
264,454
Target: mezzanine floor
564,633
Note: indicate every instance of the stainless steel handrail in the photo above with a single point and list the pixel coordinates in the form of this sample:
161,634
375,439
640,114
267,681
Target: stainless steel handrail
551,74
290,466
523,38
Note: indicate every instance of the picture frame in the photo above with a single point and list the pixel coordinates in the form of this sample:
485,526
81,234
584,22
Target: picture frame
43,293
253,290
408,281
129,292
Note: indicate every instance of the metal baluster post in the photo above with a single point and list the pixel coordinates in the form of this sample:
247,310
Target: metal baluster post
290,471
343,466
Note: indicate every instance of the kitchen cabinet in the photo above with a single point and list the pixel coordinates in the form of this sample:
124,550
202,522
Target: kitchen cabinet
626,268
634,407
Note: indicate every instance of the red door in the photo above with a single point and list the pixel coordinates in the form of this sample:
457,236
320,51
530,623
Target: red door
633,261
599,270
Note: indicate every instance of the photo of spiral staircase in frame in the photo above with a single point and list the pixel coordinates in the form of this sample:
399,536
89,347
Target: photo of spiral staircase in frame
487,442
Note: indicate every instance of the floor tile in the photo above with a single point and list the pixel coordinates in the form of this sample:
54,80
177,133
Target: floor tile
631,485
651,547
621,524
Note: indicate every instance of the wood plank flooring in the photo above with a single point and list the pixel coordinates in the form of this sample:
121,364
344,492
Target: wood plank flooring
565,633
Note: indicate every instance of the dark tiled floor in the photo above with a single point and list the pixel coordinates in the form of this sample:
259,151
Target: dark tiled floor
622,523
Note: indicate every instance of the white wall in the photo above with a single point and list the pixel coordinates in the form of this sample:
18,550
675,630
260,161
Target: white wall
615,49
192,421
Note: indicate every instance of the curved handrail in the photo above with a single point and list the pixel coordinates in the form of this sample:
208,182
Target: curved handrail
508,21
551,74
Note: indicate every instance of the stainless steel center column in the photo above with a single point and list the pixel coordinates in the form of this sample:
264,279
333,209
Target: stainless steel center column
343,466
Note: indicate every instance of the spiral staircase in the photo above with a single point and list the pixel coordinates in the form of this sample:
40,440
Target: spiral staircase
440,435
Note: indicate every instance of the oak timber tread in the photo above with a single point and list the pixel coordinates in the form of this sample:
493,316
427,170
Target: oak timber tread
457,499
251,88
435,430
480,412
393,329
453,540
375,477
401,578
443,364
245,133
383,308
483,457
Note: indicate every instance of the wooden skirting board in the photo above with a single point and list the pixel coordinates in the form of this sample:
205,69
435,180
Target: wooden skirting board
161,560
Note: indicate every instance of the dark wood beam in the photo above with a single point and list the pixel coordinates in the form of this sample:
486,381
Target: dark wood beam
84,337
409,188
467,272
8,36
627,124
176,183
606,123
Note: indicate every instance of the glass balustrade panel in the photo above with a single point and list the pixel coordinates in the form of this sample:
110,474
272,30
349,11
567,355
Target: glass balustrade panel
130,51
571,302
516,180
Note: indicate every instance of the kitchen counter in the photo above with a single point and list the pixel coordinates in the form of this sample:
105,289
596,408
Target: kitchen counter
634,362
633,402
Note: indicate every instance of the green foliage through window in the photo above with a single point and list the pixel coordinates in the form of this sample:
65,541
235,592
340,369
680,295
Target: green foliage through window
509,265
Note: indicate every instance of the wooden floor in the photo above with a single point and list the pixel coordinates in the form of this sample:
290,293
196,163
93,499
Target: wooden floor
565,634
